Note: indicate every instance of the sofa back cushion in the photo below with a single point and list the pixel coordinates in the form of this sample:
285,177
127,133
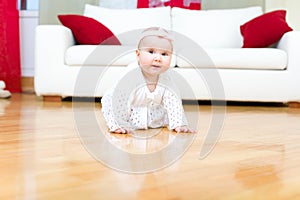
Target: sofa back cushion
213,28
124,21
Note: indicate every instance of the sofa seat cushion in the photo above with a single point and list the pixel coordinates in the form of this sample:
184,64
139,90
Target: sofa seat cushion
100,55
238,58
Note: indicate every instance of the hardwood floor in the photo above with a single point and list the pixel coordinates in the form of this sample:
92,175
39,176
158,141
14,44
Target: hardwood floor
61,150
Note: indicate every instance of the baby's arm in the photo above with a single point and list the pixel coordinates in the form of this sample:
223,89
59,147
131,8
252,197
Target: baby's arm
176,116
109,116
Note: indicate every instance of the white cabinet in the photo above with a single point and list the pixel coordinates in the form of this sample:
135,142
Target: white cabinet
28,21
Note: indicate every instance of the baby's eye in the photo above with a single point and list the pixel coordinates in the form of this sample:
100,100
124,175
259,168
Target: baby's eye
165,54
150,51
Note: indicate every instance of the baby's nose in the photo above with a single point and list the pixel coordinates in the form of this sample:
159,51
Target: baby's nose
157,57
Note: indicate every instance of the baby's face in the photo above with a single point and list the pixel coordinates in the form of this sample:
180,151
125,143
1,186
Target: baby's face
154,55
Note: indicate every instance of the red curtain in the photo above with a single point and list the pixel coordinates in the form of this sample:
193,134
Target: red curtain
188,4
10,67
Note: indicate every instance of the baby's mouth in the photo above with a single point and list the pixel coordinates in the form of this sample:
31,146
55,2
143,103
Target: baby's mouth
156,66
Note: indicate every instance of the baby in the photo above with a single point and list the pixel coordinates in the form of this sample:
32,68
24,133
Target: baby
153,104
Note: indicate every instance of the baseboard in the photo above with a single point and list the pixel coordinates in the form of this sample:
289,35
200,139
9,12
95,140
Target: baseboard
27,84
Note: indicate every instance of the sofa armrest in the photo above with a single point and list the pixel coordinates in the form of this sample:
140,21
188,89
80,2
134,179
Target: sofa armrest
51,43
290,43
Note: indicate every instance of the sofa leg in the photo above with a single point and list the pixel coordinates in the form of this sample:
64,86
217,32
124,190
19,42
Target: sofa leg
52,98
294,104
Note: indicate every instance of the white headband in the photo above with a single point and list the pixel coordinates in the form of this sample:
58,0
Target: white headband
156,31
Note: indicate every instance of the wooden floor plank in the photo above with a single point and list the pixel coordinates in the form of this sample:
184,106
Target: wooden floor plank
48,150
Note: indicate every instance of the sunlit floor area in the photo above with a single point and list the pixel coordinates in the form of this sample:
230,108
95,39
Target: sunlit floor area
62,150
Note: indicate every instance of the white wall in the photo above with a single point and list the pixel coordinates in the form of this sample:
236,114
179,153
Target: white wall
292,7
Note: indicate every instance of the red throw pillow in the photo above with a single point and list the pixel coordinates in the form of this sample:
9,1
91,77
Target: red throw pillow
87,30
265,29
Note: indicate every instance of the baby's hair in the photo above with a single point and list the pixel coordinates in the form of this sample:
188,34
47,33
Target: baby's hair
155,31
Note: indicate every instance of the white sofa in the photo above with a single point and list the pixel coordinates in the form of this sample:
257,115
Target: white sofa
208,56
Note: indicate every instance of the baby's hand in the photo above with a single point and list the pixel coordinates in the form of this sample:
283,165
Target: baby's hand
122,130
184,129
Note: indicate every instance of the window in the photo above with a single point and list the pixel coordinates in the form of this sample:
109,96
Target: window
28,4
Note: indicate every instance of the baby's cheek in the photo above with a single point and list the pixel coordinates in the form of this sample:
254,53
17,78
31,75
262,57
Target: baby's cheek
167,61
